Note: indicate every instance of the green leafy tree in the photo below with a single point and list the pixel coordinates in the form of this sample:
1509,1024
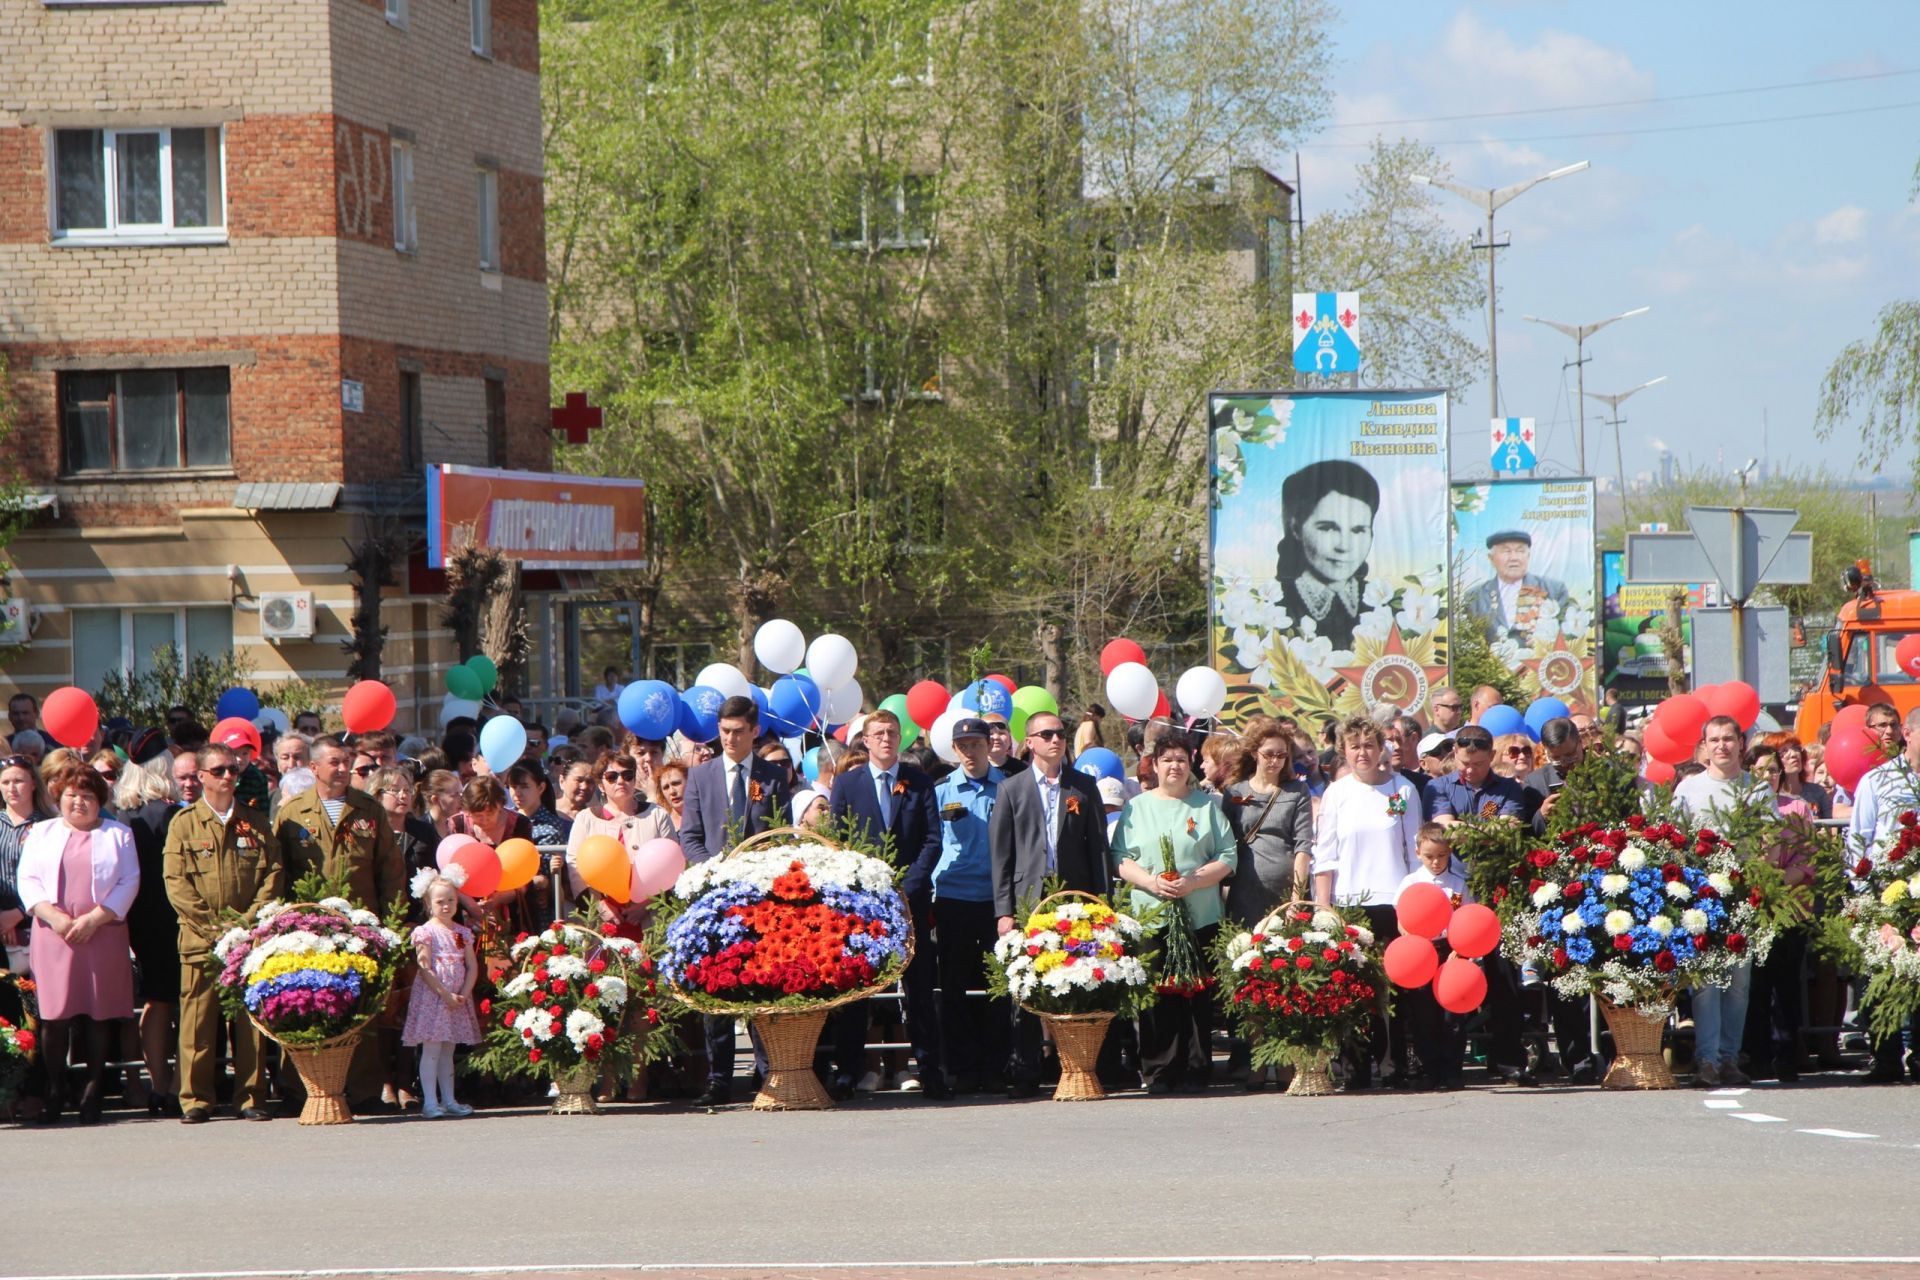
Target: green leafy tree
144,697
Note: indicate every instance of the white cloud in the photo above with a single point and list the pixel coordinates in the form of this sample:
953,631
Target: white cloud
1844,225
1557,68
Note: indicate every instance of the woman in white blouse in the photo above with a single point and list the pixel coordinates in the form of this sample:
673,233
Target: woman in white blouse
1365,844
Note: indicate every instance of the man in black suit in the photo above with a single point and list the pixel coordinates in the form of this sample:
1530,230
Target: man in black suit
888,801
1560,739
730,797
1046,822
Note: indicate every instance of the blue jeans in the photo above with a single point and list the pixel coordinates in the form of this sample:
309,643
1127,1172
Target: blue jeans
1720,1018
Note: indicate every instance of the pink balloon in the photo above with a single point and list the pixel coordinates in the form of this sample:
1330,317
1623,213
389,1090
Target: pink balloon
444,851
656,865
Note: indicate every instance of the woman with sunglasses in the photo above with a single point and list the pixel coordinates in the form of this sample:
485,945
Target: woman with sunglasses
1513,755
624,813
79,875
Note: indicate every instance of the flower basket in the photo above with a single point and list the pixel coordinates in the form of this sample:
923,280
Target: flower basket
323,1070
1638,1062
1078,1036
575,1086
1883,921
17,1038
1299,982
780,929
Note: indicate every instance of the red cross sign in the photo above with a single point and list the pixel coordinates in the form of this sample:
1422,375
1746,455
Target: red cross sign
577,418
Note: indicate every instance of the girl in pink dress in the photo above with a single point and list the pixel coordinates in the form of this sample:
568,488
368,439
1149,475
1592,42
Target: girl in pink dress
440,1008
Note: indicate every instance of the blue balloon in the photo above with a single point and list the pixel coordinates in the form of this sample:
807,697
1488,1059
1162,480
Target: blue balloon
650,709
795,703
700,713
760,700
1503,719
237,702
1543,710
503,740
1098,762
987,698
810,764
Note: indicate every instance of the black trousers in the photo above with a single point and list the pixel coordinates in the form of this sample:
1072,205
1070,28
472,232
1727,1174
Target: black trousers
1438,1038
1505,1047
719,1037
974,1033
1572,1029
1775,1004
847,1025
1176,1033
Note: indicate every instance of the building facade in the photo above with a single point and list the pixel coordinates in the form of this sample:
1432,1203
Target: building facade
261,261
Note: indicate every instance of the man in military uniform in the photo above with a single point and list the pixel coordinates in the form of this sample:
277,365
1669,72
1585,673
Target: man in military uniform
219,856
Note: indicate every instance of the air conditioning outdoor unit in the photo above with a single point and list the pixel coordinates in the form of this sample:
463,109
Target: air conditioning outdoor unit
286,615
16,617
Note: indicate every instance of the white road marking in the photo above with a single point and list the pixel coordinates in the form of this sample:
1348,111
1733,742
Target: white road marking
1728,1093
1723,1104
1837,1133
1758,1117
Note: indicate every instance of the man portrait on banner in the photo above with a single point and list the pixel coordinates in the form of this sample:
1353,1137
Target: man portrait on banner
1508,604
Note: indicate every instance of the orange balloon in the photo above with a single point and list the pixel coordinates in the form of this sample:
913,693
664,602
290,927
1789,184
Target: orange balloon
519,863
604,865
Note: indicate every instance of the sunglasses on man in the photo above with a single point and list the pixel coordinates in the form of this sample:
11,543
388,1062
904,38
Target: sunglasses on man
1474,744
1048,734
221,770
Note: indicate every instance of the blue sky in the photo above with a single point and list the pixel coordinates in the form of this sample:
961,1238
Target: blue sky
1762,249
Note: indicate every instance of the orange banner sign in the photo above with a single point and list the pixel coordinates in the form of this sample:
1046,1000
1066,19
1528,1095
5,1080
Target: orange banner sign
543,520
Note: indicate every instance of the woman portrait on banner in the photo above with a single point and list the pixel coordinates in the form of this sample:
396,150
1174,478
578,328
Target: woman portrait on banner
1327,510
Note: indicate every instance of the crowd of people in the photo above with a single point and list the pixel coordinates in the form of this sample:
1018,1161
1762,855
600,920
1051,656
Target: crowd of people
118,860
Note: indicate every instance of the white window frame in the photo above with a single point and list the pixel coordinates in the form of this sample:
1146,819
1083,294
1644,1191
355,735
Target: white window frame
397,13
406,217
480,27
135,233
883,217
487,191
130,659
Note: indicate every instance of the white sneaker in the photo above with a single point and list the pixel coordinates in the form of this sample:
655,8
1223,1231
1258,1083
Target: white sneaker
553,1090
909,1082
867,1083
432,1112
457,1109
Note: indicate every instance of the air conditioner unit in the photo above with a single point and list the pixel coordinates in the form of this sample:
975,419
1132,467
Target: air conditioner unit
286,615
16,617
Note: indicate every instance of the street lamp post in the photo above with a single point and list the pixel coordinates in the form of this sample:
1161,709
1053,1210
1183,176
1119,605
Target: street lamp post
1487,200
1580,333
1619,455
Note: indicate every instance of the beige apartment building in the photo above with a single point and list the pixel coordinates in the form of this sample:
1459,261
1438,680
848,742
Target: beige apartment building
260,262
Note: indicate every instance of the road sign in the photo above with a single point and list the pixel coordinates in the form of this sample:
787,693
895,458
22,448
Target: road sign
1767,551
1766,664
1513,446
1326,332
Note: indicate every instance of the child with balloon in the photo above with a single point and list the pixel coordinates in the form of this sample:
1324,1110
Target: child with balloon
1438,1036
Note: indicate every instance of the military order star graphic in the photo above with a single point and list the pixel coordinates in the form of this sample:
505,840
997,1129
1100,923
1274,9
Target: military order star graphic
1394,647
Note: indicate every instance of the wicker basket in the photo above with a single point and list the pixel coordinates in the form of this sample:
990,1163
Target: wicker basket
1078,1036
575,1085
1637,1063
323,1071
1312,1077
790,1033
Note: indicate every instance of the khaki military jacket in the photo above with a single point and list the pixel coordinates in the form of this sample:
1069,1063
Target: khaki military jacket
362,850
213,867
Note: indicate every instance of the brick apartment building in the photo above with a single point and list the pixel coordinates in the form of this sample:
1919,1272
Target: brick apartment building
260,262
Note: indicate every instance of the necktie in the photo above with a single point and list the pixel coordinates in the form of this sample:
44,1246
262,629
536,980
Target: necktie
886,797
737,794
1050,794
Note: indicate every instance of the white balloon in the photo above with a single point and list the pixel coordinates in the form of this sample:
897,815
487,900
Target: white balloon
272,717
831,661
725,679
844,703
954,704
779,646
1201,692
452,708
940,736
1132,690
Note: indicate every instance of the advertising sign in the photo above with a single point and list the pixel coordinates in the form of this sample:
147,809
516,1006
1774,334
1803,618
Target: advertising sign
543,520
1329,550
1632,660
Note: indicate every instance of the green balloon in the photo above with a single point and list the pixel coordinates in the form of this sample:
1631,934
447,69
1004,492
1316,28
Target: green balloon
909,731
484,673
1017,724
1034,700
464,684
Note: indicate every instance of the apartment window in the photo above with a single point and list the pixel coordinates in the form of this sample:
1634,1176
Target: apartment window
406,229
412,425
397,13
488,185
480,20
1103,263
496,421
896,215
138,184
137,641
145,420
916,378
1106,356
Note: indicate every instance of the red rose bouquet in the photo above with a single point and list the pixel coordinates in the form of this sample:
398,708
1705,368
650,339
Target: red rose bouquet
1302,981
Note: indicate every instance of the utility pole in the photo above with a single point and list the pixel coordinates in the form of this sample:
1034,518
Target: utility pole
1488,200
1580,333
1619,455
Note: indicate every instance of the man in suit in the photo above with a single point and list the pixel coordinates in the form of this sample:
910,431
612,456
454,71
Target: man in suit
1508,602
1046,822
728,798
890,802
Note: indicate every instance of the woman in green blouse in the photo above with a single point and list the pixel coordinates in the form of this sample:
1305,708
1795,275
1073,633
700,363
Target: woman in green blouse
1176,1049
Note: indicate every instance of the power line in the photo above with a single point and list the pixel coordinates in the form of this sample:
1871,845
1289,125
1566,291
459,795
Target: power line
1626,102
1631,133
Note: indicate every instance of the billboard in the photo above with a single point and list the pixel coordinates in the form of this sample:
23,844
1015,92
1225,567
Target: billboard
1328,538
1632,659
543,520
1523,577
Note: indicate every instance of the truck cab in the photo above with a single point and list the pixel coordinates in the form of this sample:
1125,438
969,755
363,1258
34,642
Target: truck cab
1860,666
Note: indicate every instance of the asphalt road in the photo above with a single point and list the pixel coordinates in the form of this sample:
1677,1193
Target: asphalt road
1486,1174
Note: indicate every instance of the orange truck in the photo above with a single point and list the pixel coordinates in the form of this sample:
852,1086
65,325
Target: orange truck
1860,666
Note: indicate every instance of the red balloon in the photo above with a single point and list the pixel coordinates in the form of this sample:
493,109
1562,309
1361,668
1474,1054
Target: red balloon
1161,707
1411,961
1737,699
1854,714
1906,656
1005,682
1658,772
1850,753
482,866
369,707
1683,715
1119,651
1663,746
1474,931
1423,910
925,702
1461,985
235,732
70,716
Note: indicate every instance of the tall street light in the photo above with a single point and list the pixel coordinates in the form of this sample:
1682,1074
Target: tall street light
1580,333
1619,455
1489,199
